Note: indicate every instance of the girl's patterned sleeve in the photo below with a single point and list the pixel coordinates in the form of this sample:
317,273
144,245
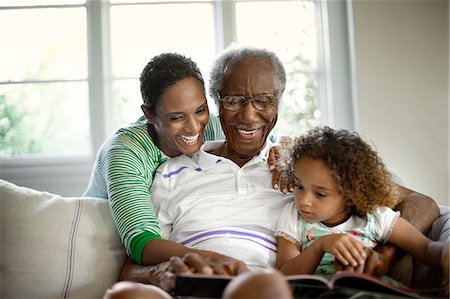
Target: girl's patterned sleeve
383,221
288,224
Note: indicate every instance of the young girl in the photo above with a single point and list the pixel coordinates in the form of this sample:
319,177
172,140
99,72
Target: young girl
343,198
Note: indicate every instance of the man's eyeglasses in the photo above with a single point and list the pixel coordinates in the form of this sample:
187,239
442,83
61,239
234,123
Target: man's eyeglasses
261,102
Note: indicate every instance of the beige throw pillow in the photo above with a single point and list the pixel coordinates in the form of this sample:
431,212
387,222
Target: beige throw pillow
56,247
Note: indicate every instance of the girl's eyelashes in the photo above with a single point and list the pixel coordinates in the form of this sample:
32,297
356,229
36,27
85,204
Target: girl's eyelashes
299,186
320,194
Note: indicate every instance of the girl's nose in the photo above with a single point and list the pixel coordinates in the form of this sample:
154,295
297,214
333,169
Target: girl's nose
306,200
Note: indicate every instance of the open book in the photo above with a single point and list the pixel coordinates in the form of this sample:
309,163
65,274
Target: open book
343,284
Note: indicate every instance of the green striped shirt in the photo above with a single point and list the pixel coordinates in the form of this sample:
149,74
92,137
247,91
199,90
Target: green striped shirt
123,173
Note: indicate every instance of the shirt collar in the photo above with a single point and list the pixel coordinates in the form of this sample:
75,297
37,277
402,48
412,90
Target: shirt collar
205,159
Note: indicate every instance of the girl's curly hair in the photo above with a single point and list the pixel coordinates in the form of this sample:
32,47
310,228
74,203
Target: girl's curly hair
359,173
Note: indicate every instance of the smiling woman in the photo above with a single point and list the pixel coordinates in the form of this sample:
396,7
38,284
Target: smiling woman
176,122
180,118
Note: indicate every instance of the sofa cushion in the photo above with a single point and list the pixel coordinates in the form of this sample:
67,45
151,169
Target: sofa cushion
56,247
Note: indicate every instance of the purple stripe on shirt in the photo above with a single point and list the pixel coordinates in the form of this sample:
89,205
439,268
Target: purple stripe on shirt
168,175
217,232
267,247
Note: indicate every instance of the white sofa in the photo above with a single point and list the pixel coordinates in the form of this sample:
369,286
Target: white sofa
60,247
56,247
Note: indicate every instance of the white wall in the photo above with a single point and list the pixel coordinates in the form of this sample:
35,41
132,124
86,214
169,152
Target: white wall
402,61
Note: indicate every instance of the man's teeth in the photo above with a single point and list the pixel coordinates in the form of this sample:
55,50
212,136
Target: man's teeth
189,139
245,132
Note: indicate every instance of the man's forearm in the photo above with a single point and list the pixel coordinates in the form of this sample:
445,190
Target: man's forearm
418,209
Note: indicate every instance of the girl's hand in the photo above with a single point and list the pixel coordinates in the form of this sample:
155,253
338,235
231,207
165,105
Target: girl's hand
345,248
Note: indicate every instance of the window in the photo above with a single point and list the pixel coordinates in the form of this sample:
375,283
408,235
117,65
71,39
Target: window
70,68
44,87
288,28
151,29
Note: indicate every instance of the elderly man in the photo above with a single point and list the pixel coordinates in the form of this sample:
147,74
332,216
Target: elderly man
221,199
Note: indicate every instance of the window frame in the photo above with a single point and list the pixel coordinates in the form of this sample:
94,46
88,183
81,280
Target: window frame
336,88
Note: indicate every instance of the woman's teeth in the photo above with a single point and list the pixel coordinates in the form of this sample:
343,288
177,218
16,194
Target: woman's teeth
189,139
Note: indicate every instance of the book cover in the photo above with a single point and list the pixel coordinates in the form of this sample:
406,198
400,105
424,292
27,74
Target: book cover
344,284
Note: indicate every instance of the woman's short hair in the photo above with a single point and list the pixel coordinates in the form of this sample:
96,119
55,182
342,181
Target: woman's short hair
163,71
238,53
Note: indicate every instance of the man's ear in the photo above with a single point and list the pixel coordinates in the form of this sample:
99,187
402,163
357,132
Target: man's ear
147,114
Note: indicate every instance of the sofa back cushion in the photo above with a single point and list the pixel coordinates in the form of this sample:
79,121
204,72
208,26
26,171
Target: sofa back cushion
56,247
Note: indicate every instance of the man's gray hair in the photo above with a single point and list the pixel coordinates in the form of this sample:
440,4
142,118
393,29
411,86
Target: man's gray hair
238,53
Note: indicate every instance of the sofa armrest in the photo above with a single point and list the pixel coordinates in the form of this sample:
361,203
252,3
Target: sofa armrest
424,276
440,230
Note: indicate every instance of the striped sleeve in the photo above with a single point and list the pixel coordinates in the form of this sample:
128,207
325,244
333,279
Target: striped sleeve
128,165
213,129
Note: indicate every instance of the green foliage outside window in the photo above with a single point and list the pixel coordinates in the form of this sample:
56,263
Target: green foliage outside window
14,139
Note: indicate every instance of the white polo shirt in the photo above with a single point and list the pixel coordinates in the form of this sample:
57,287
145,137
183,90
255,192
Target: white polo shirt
208,202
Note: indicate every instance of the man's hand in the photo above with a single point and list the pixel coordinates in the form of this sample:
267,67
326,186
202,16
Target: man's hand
207,264
161,275
376,264
280,179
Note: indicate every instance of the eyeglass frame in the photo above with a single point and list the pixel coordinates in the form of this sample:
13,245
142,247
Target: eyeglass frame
246,100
